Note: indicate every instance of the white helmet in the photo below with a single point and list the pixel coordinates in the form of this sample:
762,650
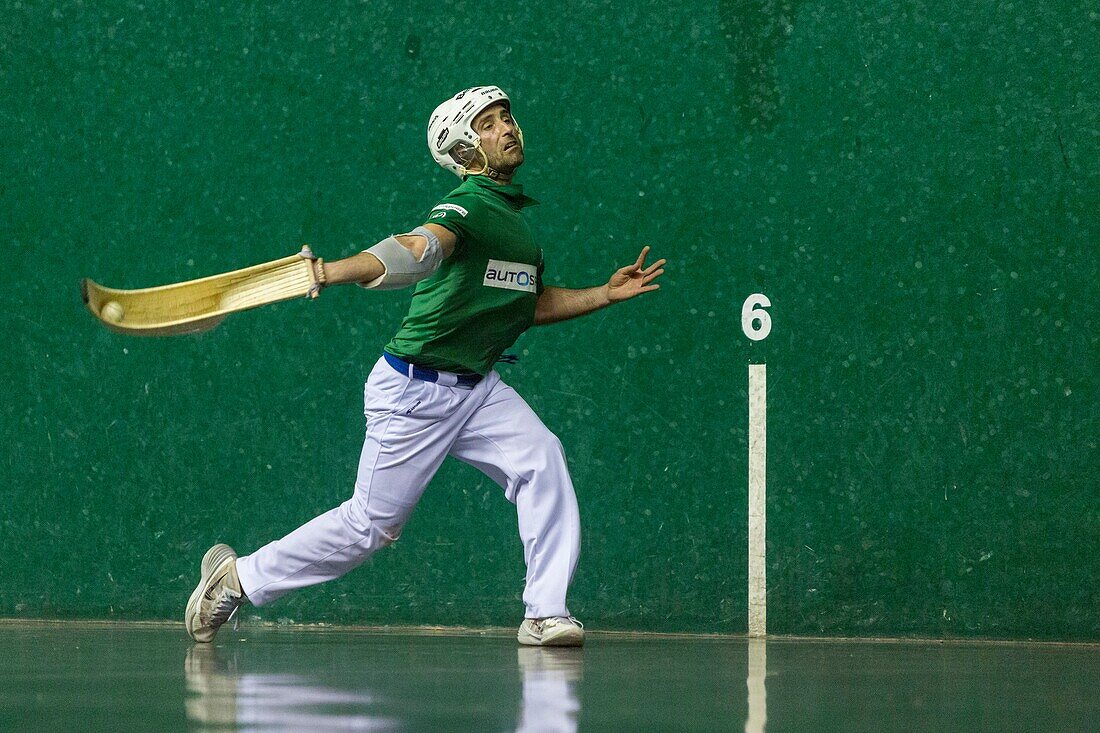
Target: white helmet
451,136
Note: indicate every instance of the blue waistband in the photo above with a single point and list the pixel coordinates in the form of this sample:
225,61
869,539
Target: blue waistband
431,375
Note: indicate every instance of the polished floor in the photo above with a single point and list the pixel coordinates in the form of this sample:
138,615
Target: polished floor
119,677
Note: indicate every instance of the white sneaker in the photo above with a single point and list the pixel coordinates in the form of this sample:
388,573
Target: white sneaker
552,631
217,596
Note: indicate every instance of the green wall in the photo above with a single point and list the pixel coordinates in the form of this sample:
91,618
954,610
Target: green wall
915,187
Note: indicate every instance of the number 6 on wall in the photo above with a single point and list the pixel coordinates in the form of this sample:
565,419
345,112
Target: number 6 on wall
755,321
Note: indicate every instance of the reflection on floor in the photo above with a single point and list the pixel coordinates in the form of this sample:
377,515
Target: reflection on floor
221,696
757,717
145,677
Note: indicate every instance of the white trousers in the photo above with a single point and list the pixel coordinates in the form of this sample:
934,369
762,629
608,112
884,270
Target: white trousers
412,425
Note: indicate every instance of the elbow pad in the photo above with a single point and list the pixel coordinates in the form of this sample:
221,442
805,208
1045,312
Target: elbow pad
402,267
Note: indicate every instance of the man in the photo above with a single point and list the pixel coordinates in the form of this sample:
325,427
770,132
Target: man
434,393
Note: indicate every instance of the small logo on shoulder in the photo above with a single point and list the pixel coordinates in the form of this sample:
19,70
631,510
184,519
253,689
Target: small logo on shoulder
511,276
444,208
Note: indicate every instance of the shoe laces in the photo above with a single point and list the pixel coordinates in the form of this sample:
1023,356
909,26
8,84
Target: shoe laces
225,608
553,620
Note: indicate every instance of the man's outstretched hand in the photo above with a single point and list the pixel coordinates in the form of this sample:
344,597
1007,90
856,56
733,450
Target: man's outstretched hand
634,279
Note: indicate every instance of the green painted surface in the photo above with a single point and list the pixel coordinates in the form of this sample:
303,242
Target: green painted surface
120,678
914,186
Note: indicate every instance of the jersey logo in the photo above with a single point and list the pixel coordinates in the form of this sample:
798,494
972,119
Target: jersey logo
449,207
511,276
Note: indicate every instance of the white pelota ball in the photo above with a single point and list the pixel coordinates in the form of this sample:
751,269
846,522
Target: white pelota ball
111,312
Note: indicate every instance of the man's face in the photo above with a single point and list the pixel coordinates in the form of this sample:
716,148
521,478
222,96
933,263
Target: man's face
499,138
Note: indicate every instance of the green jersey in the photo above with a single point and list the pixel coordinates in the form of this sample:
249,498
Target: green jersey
482,297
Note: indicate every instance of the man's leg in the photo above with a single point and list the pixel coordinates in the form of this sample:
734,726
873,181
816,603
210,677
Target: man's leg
508,442
410,427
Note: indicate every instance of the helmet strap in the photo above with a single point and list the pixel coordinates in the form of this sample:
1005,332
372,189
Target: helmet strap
486,169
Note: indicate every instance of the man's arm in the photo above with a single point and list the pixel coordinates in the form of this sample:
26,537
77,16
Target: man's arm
365,267
560,304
